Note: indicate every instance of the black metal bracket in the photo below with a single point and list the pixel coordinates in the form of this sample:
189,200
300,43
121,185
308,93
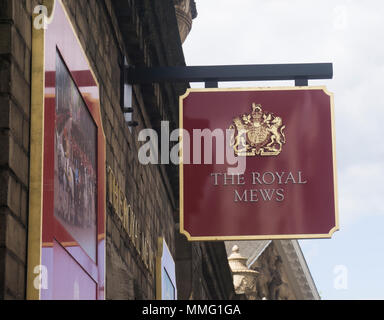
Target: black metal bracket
211,75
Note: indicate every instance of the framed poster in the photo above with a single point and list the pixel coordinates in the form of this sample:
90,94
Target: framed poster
72,192
165,273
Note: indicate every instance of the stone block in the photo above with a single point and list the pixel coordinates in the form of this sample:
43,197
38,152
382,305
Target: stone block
20,89
16,123
23,22
4,112
24,206
11,274
27,64
4,180
14,196
16,237
18,161
4,147
6,9
2,229
5,38
5,75
21,288
26,136
18,48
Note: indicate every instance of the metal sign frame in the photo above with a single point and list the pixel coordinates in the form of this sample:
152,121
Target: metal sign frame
211,75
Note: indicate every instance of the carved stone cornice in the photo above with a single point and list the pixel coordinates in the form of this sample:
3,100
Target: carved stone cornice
297,270
185,13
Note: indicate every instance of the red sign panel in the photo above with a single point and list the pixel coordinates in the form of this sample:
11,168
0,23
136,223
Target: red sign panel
281,140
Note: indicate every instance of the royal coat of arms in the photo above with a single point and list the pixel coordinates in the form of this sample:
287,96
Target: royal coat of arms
258,133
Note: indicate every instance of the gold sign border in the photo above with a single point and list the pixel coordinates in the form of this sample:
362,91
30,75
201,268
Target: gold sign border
261,237
36,155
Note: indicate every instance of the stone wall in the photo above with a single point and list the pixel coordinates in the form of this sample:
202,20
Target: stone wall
143,186
147,36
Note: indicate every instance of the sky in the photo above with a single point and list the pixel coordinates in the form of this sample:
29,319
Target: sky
349,34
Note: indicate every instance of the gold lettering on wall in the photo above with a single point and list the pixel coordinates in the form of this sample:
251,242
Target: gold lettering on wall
121,207
125,219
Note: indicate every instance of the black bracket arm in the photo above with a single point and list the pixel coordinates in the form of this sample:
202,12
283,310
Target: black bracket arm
300,73
212,75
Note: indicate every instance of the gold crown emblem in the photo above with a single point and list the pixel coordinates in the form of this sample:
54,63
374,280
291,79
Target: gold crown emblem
258,133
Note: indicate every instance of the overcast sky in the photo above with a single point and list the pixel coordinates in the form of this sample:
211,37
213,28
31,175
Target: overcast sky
348,33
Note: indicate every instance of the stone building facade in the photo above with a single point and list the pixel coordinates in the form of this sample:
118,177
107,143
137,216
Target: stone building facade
112,33
271,270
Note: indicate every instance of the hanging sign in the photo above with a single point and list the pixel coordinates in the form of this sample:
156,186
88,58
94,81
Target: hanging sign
257,164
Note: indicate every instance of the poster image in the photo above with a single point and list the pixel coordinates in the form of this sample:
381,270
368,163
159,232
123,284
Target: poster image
75,178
